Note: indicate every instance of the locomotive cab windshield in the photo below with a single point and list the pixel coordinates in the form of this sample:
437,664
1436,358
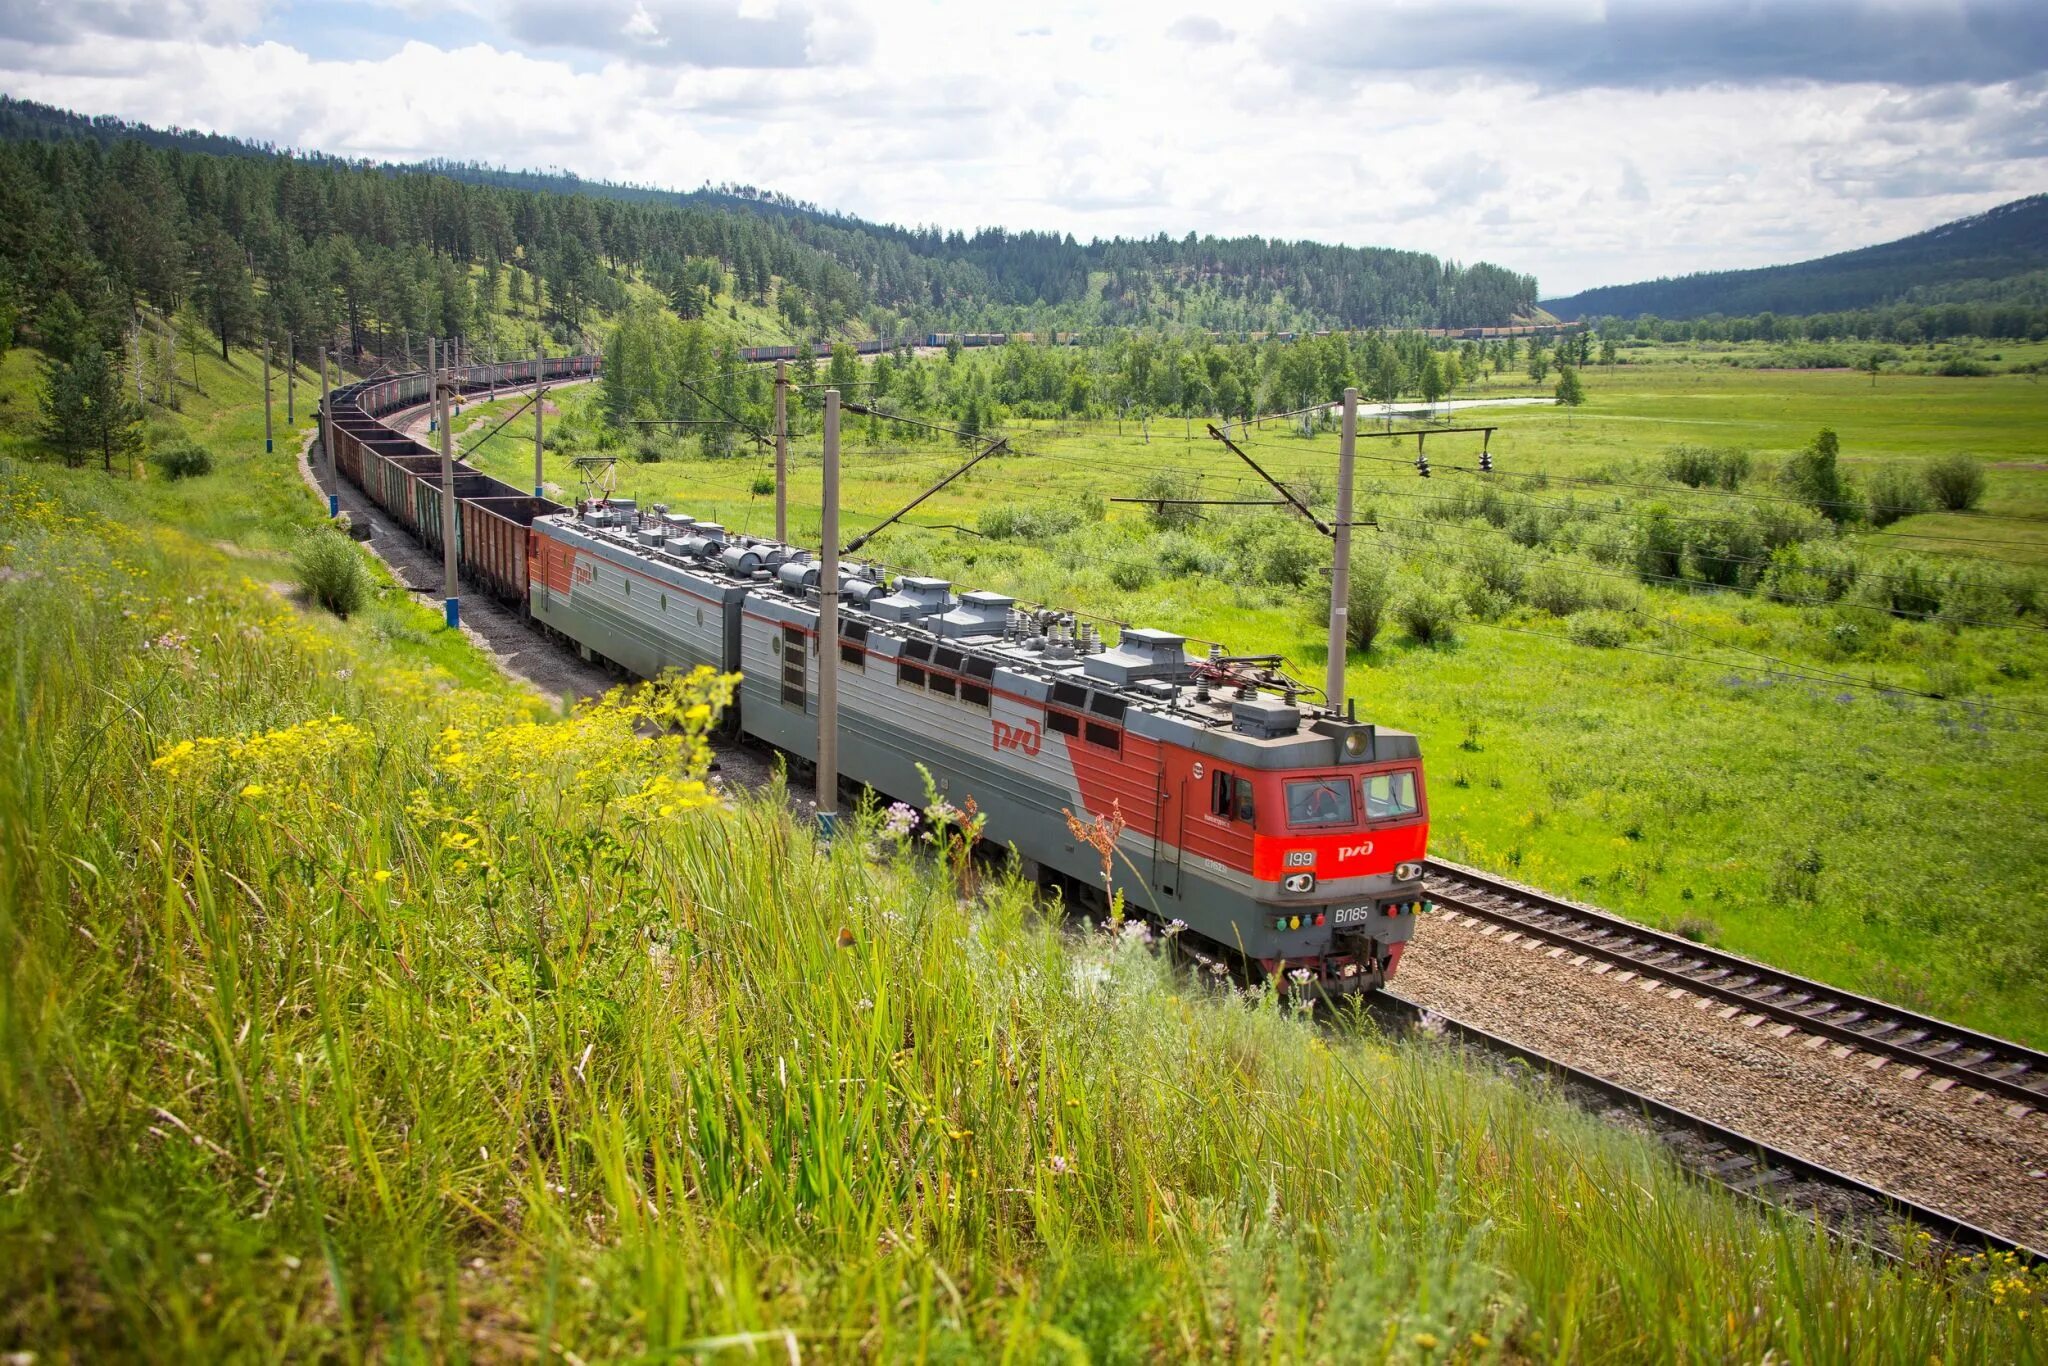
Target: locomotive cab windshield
1340,800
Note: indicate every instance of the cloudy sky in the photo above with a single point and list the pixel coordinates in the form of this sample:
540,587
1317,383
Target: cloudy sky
1591,143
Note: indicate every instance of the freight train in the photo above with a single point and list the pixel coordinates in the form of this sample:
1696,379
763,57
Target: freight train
1284,836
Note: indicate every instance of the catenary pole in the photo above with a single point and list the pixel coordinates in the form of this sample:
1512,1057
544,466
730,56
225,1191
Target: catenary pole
266,396
782,454
828,628
1340,570
450,598
539,480
327,440
291,376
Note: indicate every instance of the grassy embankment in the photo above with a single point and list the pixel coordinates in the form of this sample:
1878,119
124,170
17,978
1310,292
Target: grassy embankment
349,1009
1890,844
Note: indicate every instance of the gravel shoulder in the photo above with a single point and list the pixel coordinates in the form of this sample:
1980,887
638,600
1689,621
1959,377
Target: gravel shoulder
1891,1125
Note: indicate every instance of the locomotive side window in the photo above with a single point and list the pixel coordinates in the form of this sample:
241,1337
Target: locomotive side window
1063,723
943,682
1390,796
1319,801
853,637
1230,797
1222,794
907,672
973,692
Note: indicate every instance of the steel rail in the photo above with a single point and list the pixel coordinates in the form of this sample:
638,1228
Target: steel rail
1999,1066
1746,1164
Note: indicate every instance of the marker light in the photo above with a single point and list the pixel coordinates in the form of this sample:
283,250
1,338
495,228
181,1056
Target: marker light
1407,872
1293,922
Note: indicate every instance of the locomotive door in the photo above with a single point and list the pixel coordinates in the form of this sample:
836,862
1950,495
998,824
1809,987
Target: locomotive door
1168,811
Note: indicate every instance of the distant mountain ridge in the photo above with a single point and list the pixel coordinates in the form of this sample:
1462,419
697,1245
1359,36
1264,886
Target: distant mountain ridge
1982,258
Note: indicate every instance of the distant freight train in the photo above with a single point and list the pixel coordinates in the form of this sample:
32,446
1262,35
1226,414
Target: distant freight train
1285,836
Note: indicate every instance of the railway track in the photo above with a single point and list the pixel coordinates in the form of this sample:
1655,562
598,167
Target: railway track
1950,1053
1741,1162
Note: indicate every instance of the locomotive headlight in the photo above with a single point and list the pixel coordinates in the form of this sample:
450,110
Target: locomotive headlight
1407,872
1355,745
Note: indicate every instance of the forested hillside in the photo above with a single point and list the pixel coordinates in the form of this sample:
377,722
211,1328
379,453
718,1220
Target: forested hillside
2000,256
335,232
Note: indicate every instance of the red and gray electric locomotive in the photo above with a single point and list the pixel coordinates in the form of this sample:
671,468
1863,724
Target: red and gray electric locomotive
1287,835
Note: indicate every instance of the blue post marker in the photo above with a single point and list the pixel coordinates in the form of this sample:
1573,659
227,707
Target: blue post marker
454,613
828,825
333,506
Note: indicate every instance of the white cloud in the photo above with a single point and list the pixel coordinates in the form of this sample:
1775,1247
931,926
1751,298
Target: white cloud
1081,117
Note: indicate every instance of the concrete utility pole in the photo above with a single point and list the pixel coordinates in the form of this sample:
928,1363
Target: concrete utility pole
781,454
291,378
1340,571
828,629
327,440
449,592
266,396
539,482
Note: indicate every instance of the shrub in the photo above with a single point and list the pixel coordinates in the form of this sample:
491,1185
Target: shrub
332,572
1130,572
1372,591
1168,484
1290,560
1429,614
1601,630
1895,493
763,484
1974,597
1815,480
182,458
1960,367
1696,928
1038,522
1956,481
1497,568
1707,466
1817,571
1554,589
1722,548
1182,555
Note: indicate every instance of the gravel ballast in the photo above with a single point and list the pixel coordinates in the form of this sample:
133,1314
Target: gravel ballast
1947,1147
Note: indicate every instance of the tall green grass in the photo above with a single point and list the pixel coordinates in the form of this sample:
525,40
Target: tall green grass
349,1013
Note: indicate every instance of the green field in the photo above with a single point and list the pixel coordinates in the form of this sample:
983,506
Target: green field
356,1006
1729,765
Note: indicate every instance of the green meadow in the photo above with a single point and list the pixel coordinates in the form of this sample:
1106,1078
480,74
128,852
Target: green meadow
1847,783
